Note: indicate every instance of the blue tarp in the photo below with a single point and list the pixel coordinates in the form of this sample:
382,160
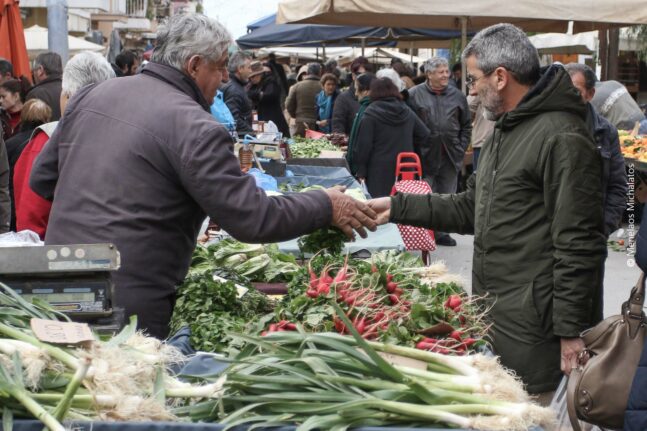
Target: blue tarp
265,33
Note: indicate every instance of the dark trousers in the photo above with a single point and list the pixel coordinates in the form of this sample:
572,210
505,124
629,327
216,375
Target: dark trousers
444,182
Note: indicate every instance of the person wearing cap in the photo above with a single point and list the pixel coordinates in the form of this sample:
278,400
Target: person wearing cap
265,93
300,103
444,110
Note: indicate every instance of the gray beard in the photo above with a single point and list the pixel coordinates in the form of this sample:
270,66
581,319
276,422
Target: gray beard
490,115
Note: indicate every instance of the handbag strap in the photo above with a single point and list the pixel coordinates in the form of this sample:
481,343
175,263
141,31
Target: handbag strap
571,387
632,310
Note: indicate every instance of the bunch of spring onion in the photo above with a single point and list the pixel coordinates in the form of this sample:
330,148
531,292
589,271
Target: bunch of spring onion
123,378
333,382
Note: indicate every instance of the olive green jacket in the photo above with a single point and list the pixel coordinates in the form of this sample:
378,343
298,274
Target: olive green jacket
535,209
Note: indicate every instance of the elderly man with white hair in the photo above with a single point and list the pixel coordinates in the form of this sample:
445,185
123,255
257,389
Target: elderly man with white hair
32,211
444,110
144,175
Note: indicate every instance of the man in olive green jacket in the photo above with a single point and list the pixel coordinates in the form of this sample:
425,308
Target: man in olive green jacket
534,207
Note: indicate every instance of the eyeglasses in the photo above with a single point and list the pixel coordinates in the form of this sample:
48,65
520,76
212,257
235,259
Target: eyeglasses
470,80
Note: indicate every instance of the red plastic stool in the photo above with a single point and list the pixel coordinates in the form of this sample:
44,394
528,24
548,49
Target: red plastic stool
408,179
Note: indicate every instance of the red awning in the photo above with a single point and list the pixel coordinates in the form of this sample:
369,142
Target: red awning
12,38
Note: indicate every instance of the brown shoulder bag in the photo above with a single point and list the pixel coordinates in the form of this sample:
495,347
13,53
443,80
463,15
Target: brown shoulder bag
598,389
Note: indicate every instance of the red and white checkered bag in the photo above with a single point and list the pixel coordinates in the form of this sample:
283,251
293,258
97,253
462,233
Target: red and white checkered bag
415,238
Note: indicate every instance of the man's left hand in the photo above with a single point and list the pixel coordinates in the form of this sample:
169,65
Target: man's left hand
570,347
349,214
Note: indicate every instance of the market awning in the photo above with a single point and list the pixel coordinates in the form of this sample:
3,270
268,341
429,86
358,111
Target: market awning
12,45
560,43
272,34
531,15
36,39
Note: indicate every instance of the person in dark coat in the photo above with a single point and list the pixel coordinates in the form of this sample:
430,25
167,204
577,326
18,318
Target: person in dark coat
347,104
265,94
389,127
151,176
636,414
234,92
325,102
48,73
362,93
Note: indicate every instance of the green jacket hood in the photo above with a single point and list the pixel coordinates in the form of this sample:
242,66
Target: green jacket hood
553,92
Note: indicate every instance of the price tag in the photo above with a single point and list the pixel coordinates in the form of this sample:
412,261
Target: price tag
53,331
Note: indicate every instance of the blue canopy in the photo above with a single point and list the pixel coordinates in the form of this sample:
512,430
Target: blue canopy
265,33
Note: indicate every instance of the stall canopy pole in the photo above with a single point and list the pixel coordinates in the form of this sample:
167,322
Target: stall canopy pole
463,44
57,26
411,48
363,45
324,51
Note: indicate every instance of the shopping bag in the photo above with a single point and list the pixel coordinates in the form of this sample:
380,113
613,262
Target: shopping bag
415,238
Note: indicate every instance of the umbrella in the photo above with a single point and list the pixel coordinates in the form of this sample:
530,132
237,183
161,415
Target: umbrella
13,46
36,39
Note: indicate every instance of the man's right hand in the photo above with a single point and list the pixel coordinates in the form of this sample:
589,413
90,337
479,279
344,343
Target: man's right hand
349,214
382,207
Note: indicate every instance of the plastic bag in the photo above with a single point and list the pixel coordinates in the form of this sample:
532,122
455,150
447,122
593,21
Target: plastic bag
558,405
264,181
24,238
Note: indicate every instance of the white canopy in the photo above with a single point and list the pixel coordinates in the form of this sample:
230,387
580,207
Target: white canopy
36,41
530,15
560,43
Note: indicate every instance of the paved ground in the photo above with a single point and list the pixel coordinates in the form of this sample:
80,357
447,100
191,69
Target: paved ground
619,278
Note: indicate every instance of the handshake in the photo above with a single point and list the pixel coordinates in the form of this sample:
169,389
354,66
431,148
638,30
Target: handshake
350,215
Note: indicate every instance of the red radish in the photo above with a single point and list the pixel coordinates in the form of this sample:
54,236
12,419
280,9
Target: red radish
273,327
264,333
339,325
456,335
469,341
398,291
323,289
373,269
391,287
312,293
361,325
454,301
394,298
290,326
389,278
325,277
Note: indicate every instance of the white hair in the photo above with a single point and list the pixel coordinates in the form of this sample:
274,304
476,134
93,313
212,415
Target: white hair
185,35
393,76
84,69
434,63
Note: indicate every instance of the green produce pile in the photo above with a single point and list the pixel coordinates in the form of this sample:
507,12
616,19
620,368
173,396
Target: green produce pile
121,378
385,301
304,148
214,308
255,262
334,382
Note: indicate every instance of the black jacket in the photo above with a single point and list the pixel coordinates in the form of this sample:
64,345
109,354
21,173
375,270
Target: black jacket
344,111
49,91
388,127
448,117
15,145
614,177
266,97
239,105
148,185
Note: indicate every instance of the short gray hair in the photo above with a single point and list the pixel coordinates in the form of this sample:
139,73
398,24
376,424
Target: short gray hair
589,75
237,60
505,45
84,69
434,63
185,35
314,69
51,63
